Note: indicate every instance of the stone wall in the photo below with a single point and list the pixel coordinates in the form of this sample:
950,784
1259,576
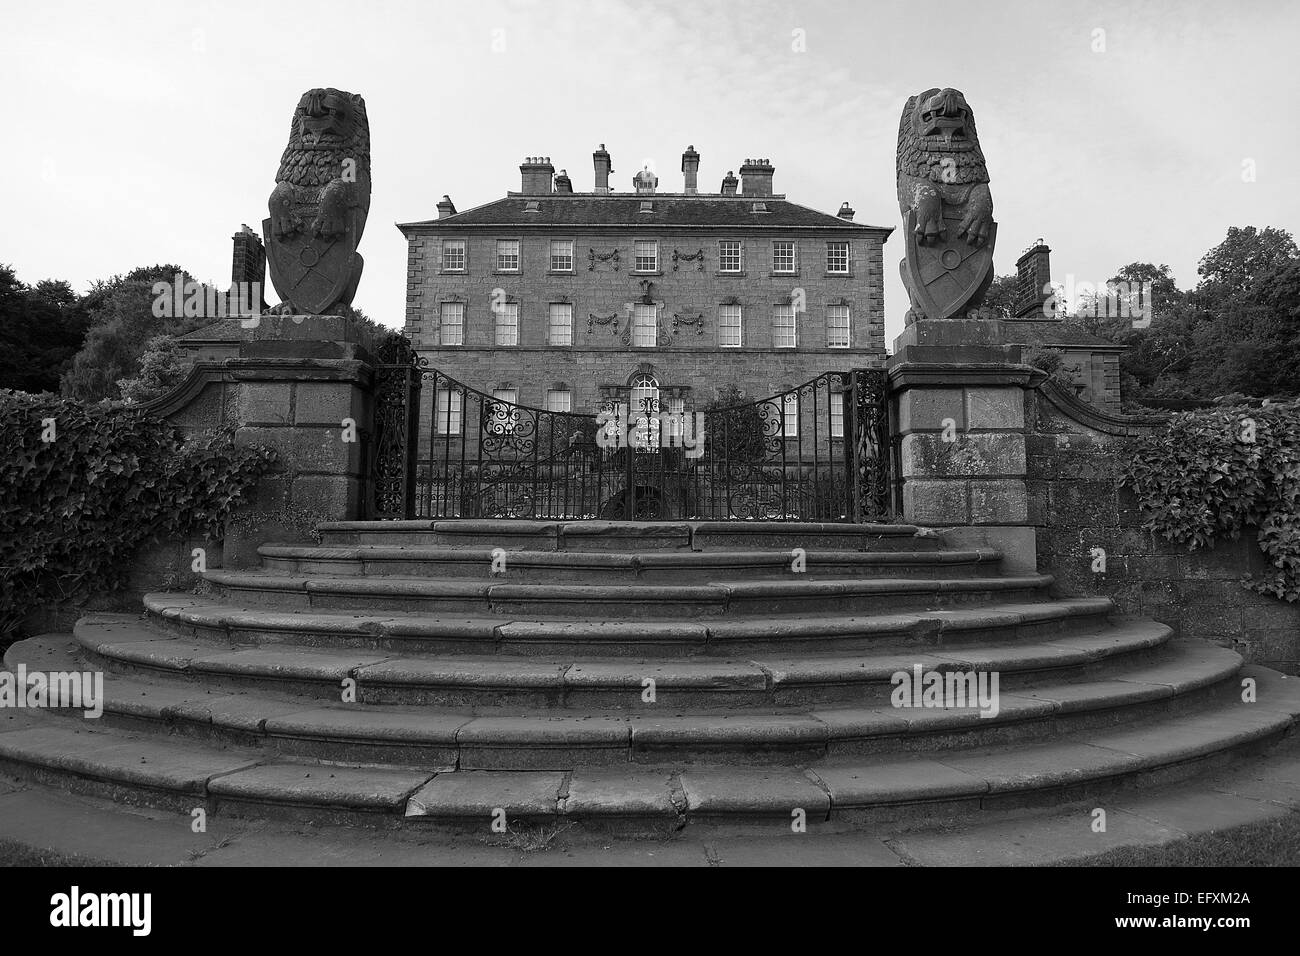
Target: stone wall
1074,455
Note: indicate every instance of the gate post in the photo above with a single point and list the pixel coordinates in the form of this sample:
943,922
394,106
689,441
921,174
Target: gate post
303,387
960,391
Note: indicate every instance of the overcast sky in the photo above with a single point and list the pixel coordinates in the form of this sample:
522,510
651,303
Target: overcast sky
143,133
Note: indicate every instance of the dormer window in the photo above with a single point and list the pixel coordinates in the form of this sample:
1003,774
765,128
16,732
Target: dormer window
647,206
532,205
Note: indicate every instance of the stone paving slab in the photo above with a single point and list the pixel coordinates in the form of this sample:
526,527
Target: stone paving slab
1028,841
321,785
477,793
775,792
620,791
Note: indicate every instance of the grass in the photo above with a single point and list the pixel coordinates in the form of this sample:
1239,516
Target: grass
16,854
530,838
1270,843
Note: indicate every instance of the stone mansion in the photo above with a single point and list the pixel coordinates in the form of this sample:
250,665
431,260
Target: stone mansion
557,299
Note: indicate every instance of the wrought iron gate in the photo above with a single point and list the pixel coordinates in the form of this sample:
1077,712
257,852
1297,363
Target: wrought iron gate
819,452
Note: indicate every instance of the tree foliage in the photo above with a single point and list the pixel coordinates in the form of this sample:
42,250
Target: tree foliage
41,329
1237,332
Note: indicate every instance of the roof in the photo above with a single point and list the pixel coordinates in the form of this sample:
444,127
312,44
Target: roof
229,329
1052,333
623,210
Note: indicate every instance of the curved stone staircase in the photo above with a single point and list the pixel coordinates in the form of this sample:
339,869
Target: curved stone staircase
526,687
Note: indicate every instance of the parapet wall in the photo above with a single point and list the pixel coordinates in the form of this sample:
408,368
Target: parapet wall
1075,453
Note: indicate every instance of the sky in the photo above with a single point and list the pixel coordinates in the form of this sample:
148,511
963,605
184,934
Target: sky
143,133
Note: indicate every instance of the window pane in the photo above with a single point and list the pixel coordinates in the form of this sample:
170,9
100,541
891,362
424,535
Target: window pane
559,400
508,255
561,326
447,415
676,413
452,331
729,256
644,412
645,328
783,335
783,257
790,419
729,326
837,414
647,256
837,326
837,257
508,323
561,255
453,255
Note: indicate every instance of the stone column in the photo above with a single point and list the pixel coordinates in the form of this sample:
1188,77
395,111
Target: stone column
959,396
303,387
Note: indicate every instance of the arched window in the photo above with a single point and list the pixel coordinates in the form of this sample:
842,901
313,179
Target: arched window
644,411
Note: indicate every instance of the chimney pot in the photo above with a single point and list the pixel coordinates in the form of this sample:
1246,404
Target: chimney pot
446,208
846,212
729,184
536,173
756,178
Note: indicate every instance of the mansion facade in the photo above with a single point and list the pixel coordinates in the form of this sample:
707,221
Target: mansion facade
563,300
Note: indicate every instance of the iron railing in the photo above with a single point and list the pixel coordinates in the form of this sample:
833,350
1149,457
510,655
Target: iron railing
821,451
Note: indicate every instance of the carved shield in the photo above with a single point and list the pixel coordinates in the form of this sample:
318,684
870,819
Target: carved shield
944,277
308,272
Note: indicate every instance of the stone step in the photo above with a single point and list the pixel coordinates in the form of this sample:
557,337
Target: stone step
598,567
475,683
185,774
618,601
206,617
638,536
229,701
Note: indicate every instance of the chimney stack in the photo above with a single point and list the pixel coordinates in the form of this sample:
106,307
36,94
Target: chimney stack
1033,275
729,184
691,167
603,168
537,172
563,184
446,208
248,263
846,212
756,178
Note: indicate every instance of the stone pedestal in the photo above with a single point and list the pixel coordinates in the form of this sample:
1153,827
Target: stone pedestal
303,387
959,394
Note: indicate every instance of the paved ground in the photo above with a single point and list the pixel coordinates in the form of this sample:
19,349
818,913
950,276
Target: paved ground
36,817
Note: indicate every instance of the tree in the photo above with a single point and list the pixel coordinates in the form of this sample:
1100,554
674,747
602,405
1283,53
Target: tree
1234,266
123,320
1001,296
41,329
163,366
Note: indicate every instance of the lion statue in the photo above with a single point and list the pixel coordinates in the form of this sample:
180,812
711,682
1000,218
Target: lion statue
943,182
321,196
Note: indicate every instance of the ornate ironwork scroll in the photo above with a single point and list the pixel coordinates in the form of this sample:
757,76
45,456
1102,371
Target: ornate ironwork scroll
396,429
871,467
819,451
